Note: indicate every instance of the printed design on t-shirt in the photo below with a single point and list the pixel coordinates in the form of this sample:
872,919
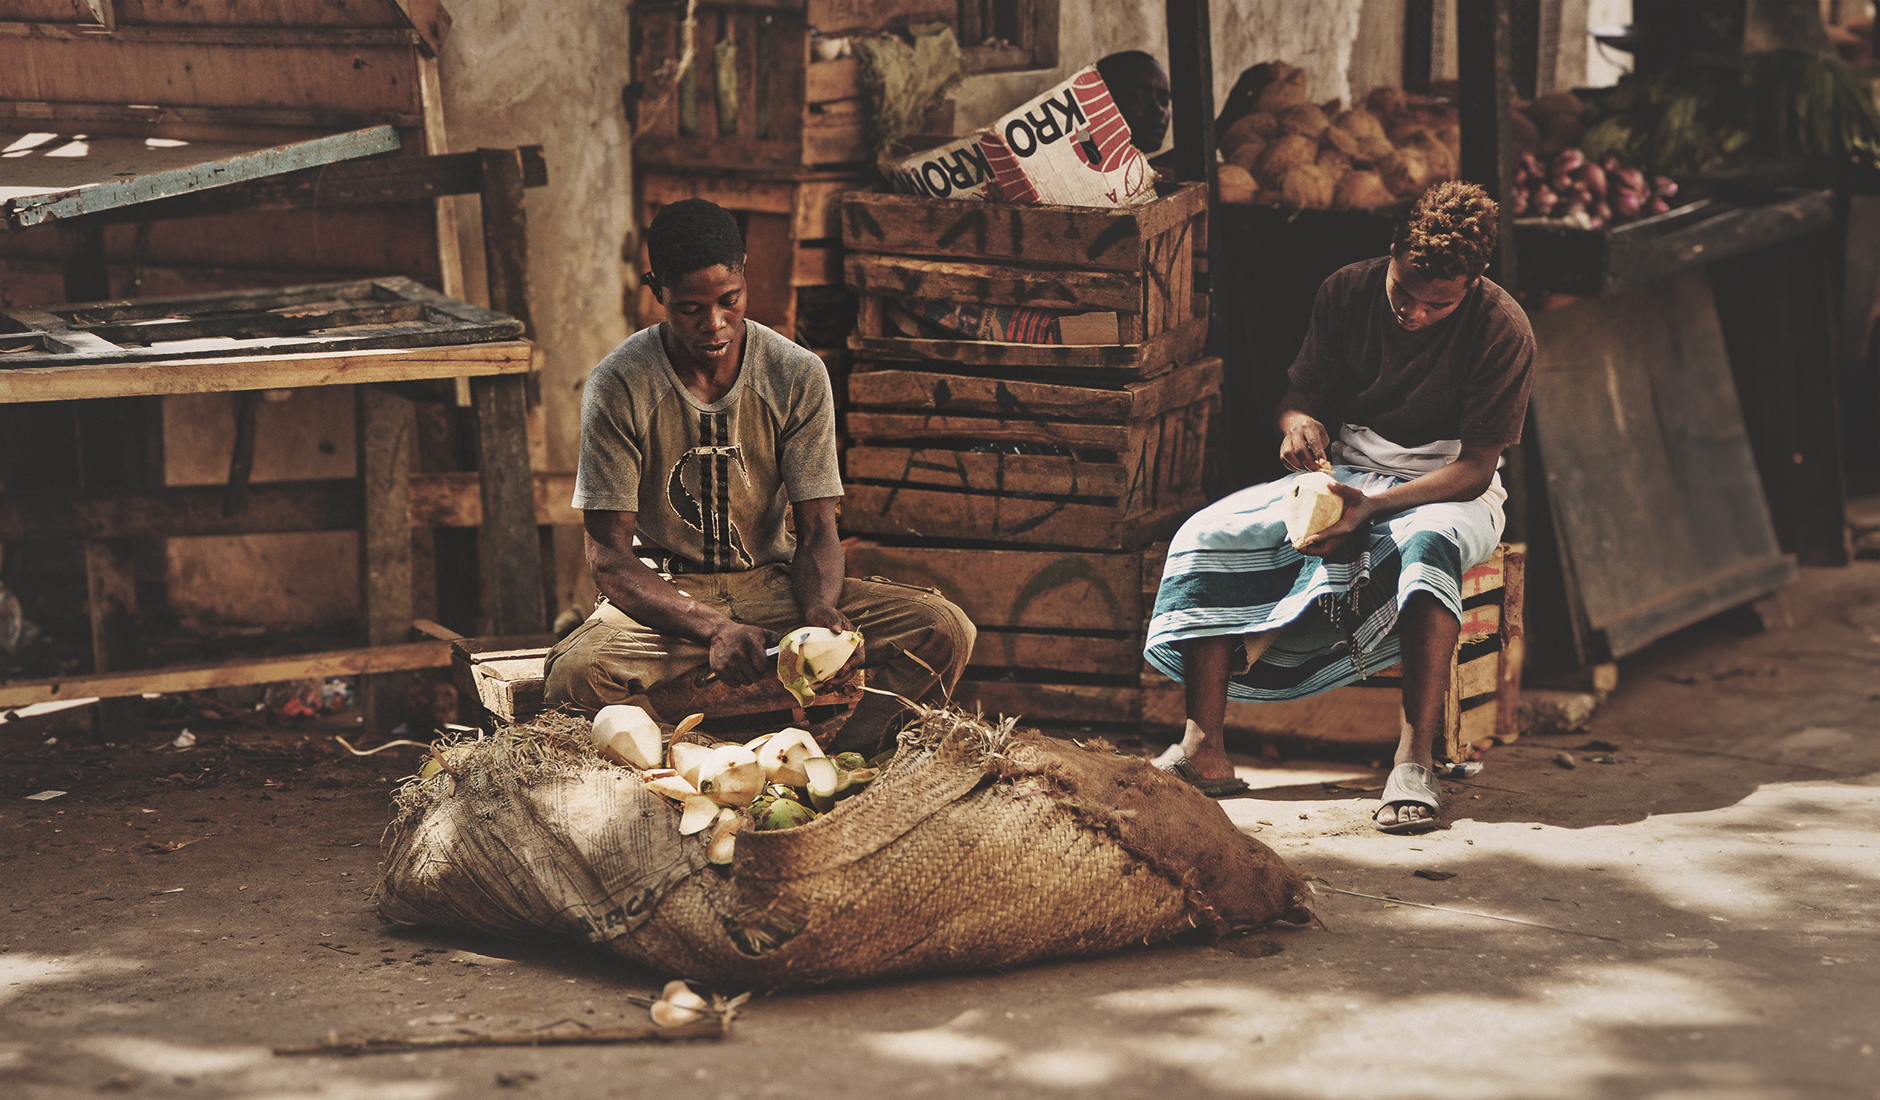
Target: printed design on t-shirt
709,510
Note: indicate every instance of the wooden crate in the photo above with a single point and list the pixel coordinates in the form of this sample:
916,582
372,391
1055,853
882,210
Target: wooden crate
791,229
1128,472
1133,267
788,109
1485,681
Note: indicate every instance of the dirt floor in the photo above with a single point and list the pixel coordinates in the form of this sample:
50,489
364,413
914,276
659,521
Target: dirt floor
1698,918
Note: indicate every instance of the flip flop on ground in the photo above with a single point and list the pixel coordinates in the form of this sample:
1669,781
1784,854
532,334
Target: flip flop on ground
1410,785
1184,769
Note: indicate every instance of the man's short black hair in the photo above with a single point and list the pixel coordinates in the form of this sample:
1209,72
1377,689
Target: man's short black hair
691,235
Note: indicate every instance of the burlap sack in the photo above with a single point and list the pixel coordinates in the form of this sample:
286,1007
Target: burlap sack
981,846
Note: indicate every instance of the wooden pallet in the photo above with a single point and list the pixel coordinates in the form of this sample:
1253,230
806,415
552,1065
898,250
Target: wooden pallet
1127,467
780,107
328,317
1485,681
1132,268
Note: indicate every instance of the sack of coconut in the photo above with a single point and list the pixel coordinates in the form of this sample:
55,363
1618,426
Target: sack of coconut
978,845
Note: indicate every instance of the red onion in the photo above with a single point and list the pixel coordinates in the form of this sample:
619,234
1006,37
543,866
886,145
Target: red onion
1626,204
1598,222
1611,163
1561,181
1569,160
1518,202
1543,201
1657,206
1632,180
1521,177
1531,164
1665,187
1576,205
1594,177
1601,212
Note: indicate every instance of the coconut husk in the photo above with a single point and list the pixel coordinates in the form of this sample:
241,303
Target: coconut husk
1522,133
1287,90
1262,127
1558,103
1406,172
1236,183
1374,150
1074,850
1333,163
1308,187
1247,154
1385,101
1344,141
1442,162
1361,190
1283,155
1451,137
1558,134
1303,119
1360,123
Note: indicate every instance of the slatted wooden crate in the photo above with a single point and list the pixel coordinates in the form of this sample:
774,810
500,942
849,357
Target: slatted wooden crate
1060,631
754,97
1100,469
1130,269
1485,680
792,232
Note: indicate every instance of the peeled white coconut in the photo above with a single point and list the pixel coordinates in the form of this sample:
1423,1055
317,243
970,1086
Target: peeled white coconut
626,734
784,755
732,775
810,656
667,1014
689,758
1311,506
699,813
670,786
679,992
725,836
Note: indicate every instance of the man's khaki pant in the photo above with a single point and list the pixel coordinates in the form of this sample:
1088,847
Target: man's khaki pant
611,658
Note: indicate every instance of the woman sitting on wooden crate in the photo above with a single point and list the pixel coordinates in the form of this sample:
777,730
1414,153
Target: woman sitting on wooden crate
1426,365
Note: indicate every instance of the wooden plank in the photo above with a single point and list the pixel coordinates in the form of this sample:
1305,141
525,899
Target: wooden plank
509,562
1513,644
344,185
994,284
837,17
768,265
111,604
386,431
1487,576
1015,590
506,235
66,199
934,426
963,394
249,13
213,35
1046,702
987,473
297,72
839,79
1484,49
208,677
922,513
245,372
1476,725
1083,237
1480,622
1080,653
816,265
1651,481
1481,676
1154,356
1189,27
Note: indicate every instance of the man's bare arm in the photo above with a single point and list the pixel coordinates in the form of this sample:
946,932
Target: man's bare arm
737,649
816,572
1468,477
1306,437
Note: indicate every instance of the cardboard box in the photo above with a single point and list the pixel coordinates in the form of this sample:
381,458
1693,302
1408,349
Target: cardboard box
1068,147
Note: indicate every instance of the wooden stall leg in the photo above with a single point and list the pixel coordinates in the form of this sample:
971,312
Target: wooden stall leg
1513,643
509,555
386,429
1191,87
111,597
1485,67
81,255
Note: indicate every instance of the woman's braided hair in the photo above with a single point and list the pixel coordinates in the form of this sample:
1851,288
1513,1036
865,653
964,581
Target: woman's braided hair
1450,232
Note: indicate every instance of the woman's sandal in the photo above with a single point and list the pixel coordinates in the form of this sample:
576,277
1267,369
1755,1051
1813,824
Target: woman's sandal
1410,784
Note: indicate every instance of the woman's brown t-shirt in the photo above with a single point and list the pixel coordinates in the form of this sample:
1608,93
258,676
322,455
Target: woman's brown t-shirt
1465,377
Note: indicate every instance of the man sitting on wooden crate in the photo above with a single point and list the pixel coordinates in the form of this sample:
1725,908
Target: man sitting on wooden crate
702,435
1426,364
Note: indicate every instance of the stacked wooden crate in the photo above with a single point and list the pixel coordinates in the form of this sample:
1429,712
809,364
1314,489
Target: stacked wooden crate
759,124
1028,481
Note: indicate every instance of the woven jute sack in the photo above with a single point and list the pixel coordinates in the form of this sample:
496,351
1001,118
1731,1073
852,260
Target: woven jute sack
981,845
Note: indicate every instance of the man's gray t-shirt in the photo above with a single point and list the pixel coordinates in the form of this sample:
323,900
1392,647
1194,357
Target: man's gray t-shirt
711,484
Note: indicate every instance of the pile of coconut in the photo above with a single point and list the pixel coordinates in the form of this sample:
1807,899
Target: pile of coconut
1287,151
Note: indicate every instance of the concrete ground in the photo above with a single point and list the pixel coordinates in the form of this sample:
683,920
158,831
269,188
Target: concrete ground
1698,918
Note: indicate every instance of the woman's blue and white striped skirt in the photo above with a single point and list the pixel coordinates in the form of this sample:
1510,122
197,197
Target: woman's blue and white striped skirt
1232,570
